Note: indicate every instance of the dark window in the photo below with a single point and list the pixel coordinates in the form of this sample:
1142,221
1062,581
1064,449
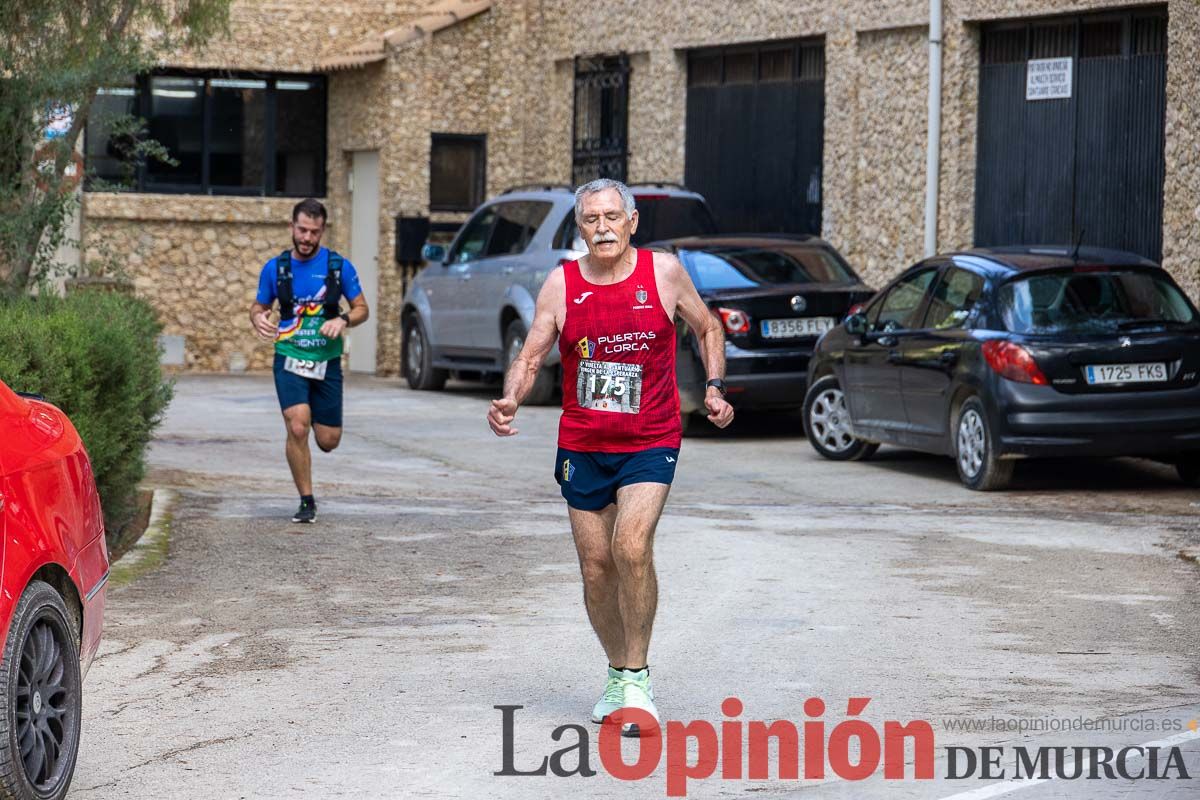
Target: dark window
739,67
106,143
176,116
1005,45
601,130
516,224
1149,35
239,132
457,170
568,234
299,137
474,238
659,217
776,65
669,217
1099,38
747,267
229,134
898,310
1052,40
953,299
704,70
1092,302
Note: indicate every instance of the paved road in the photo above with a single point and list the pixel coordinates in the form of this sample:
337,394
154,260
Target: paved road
363,657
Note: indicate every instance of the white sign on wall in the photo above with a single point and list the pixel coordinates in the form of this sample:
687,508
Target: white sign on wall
1048,79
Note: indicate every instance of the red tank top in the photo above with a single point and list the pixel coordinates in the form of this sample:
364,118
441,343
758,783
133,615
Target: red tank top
618,360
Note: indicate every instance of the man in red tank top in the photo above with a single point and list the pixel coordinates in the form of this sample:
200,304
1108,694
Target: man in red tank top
613,315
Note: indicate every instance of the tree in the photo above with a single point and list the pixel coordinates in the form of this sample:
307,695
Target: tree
55,55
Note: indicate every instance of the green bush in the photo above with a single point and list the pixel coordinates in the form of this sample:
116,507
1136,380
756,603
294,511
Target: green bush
95,356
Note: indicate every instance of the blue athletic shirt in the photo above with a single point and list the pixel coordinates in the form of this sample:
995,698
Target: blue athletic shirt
301,338
308,279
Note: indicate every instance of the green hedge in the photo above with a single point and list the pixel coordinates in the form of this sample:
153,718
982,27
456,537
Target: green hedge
95,356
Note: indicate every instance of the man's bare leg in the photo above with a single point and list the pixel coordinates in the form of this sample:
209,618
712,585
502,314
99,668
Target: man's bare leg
298,419
639,505
593,531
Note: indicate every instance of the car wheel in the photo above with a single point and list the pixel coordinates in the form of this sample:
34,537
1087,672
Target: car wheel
542,393
39,730
1189,469
975,450
418,359
827,423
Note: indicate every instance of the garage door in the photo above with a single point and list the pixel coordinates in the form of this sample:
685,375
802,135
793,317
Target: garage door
1071,131
755,131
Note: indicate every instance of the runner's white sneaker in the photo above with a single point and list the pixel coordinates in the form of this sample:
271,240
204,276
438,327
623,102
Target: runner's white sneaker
639,694
612,699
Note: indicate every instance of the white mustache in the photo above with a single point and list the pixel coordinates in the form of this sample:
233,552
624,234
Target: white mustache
600,238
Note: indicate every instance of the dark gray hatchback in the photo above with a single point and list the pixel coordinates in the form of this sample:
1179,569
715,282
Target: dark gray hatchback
994,355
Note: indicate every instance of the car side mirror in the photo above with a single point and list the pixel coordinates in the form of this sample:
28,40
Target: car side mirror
433,252
856,324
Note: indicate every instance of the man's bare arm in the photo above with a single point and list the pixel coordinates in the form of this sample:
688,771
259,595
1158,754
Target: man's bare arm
522,373
708,333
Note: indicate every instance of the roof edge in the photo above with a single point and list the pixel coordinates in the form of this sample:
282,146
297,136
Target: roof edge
437,17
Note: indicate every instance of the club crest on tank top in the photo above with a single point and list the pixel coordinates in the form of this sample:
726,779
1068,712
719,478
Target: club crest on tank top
618,356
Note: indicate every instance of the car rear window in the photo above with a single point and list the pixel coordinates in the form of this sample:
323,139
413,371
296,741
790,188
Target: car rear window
746,267
659,217
670,217
1092,301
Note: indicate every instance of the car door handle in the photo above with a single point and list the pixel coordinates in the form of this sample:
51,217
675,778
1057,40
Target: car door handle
466,276
893,357
948,357
509,270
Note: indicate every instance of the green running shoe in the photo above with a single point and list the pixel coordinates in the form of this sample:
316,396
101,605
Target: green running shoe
612,699
639,694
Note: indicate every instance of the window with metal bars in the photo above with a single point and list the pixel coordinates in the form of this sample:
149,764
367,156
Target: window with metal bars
797,60
1111,34
601,126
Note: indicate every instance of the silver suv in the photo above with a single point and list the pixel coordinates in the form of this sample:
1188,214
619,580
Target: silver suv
469,310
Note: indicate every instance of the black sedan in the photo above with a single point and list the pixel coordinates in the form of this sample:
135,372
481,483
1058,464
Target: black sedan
999,354
775,295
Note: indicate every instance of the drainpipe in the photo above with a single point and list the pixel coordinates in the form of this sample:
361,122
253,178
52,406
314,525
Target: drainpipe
933,146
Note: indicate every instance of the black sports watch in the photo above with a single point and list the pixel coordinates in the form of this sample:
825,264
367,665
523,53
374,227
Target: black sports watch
345,316
717,384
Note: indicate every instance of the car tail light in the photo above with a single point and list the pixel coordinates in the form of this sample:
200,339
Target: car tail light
1013,362
735,321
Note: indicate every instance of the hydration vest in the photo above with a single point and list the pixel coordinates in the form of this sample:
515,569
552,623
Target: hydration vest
287,297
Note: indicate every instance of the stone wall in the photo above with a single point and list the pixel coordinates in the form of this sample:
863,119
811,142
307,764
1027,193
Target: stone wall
197,260
885,234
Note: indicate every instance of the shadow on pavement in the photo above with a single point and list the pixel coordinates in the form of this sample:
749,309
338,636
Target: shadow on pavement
1046,475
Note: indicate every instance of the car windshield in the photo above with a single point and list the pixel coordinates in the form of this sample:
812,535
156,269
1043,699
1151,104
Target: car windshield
746,267
1089,301
667,217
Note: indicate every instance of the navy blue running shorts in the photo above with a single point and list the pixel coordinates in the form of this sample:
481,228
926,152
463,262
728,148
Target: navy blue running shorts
324,398
590,481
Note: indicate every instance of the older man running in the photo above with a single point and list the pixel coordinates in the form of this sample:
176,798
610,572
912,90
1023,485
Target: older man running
612,313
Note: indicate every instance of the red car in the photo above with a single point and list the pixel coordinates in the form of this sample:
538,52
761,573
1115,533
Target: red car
55,566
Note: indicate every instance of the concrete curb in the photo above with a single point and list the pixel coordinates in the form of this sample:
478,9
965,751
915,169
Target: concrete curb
151,549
